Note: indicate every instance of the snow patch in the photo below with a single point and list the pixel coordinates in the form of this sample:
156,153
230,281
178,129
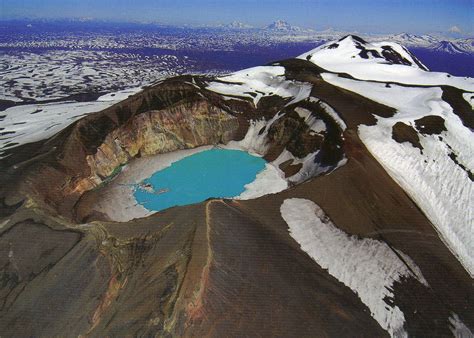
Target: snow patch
254,141
257,82
314,123
414,100
269,181
367,266
310,168
469,97
459,329
330,111
120,95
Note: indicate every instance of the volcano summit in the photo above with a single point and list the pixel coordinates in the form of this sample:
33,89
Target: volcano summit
358,222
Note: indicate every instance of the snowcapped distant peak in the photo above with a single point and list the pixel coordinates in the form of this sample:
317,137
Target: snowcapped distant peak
284,26
351,51
448,47
238,25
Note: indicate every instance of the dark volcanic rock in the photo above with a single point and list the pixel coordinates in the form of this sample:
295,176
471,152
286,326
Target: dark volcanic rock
51,280
461,108
402,132
430,125
454,158
292,132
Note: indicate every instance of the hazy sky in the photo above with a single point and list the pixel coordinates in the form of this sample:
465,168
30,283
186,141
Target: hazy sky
366,15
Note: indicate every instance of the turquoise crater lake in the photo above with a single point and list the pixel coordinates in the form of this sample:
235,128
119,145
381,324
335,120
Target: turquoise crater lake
214,173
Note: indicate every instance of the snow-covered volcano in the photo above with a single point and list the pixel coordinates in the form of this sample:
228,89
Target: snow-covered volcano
283,26
353,50
371,226
378,61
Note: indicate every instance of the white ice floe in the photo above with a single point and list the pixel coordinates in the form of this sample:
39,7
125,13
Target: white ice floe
458,328
269,181
257,82
367,266
345,59
431,177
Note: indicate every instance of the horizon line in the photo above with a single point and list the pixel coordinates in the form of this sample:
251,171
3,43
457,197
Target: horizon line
219,24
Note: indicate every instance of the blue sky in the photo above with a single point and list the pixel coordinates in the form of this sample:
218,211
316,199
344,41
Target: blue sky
415,16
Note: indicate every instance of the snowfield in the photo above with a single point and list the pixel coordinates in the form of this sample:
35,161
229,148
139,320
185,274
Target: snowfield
269,181
31,123
52,74
257,82
367,266
441,188
345,58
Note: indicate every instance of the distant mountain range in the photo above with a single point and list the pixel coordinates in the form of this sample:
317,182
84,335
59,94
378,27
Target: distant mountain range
284,26
276,26
238,25
281,30
435,42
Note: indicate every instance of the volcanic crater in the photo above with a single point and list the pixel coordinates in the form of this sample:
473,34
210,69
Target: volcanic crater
223,265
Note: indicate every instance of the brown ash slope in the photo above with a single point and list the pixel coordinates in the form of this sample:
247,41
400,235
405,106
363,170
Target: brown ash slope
220,267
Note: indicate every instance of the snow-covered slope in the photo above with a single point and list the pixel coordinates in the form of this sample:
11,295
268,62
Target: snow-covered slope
448,47
466,44
257,82
380,61
354,50
437,173
367,266
34,122
407,39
